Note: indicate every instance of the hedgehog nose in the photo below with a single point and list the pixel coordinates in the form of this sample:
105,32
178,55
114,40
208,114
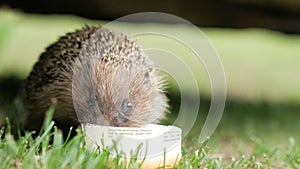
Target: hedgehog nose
102,121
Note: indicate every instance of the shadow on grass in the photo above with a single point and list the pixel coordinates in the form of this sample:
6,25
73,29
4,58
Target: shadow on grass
11,104
239,117
245,118
10,87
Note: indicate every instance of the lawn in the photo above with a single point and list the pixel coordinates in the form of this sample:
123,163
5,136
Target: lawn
260,127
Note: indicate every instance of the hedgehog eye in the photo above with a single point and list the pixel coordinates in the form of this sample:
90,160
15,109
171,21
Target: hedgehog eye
147,80
92,100
126,106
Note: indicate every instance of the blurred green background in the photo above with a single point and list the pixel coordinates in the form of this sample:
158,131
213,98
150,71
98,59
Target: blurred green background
262,70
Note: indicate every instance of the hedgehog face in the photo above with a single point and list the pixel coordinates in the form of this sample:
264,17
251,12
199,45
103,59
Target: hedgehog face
129,96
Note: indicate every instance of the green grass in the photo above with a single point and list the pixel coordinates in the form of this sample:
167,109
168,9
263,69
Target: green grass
262,139
48,150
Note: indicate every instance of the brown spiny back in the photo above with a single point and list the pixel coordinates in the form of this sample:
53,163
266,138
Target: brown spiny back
57,58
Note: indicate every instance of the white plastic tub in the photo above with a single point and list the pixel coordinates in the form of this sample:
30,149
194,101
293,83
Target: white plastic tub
160,145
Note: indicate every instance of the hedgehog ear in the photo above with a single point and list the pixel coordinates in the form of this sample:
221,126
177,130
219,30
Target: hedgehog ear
146,80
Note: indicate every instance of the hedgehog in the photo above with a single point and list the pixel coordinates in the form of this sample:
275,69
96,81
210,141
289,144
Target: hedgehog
98,76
